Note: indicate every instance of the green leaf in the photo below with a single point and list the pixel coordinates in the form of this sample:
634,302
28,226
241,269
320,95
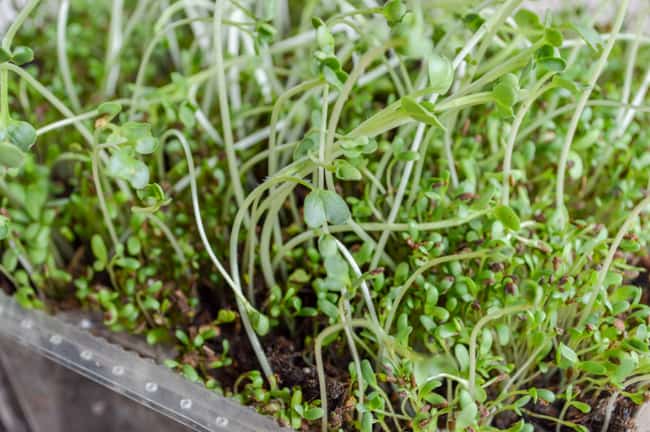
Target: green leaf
426,368
265,32
300,276
462,357
593,367
527,18
567,354
406,156
21,134
503,334
328,308
506,92
22,55
153,197
36,194
4,227
260,323
522,401
345,170
335,77
327,245
467,416
441,74
546,395
309,144
10,155
313,413
575,165
157,335
186,115
226,316
99,249
336,267
394,10
325,39
190,373
367,421
133,131
551,64
109,108
473,21
581,406
564,83
418,112
589,35
139,175
5,55
146,145
368,374
123,166
387,119
507,217
314,209
336,210
553,37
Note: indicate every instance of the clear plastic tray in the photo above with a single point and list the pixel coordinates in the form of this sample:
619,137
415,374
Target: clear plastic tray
125,372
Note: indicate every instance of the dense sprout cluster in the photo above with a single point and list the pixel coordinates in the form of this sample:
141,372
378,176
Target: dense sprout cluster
353,215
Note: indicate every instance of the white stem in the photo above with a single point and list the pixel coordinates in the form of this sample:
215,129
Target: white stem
62,54
233,50
364,286
114,46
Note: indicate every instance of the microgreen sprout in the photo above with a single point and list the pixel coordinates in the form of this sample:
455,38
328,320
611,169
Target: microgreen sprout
353,215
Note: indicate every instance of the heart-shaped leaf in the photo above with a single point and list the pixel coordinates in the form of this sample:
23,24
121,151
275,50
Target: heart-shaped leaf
322,205
529,19
336,209
553,36
394,10
123,166
345,170
506,91
21,134
314,210
22,55
146,145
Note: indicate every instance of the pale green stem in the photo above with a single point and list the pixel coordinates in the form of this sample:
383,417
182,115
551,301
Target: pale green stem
318,348
99,190
242,303
582,102
224,107
415,146
62,55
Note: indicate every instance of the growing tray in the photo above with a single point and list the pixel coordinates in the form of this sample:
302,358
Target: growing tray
125,372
